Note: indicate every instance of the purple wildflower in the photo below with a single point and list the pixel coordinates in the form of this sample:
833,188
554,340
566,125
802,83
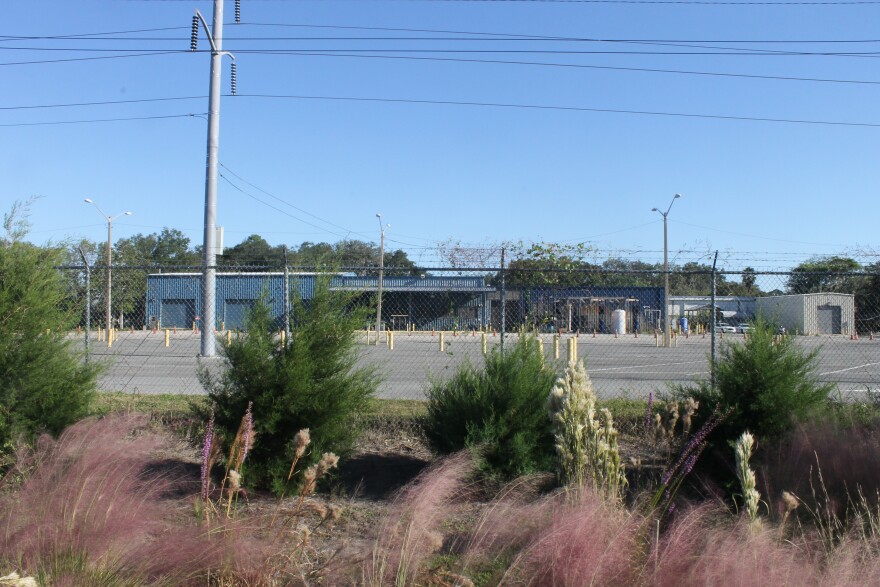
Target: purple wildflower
694,447
206,455
691,461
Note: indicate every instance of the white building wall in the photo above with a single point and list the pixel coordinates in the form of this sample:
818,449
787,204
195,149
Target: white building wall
787,311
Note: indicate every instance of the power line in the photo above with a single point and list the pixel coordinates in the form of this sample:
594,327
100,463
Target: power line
564,109
272,51
276,198
602,67
65,60
277,209
57,122
103,103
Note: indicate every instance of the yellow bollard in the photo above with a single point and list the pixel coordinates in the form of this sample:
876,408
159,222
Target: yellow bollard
556,347
442,343
484,343
283,337
167,338
390,340
572,350
228,337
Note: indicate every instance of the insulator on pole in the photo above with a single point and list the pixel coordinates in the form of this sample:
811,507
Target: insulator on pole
232,78
194,39
237,11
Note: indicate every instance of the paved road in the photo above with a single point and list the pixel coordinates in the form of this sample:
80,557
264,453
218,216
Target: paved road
619,367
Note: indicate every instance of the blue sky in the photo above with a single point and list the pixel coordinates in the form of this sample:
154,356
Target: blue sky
402,107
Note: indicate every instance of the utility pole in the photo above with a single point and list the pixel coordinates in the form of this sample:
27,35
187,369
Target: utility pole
666,325
381,272
209,253
109,316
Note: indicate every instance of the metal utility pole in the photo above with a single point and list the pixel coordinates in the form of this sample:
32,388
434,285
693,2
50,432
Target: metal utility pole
209,253
666,325
109,316
381,272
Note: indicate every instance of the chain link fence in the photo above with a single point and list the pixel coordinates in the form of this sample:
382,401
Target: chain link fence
434,320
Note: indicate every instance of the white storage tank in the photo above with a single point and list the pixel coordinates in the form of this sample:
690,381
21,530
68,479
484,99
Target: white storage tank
618,322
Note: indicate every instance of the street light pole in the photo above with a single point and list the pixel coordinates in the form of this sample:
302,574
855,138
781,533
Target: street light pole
109,219
381,272
666,325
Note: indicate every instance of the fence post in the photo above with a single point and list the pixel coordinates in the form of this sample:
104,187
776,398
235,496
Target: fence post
503,302
712,323
88,300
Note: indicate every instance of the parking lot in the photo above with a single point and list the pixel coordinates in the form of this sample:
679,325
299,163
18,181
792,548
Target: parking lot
626,366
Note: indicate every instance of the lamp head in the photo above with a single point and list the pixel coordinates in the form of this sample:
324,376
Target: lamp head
654,210
676,196
88,201
127,213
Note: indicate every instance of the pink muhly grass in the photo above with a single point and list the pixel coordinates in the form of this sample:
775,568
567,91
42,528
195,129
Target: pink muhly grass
410,533
584,540
703,547
848,456
207,450
99,495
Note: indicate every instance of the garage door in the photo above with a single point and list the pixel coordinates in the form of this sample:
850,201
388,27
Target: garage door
176,313
829,319
235,312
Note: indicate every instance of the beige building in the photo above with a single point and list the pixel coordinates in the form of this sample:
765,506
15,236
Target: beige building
815,313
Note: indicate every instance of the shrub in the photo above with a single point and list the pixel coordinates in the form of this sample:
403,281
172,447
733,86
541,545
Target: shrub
309,381
767,382
501,409
44,384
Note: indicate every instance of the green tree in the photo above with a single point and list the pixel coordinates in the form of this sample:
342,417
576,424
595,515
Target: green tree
311,381
830,274
254,250
44,384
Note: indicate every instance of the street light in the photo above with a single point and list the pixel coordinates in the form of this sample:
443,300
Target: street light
109,220
381,271
666,271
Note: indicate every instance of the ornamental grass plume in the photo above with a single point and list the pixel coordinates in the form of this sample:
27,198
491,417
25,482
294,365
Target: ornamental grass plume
586,446
92,509
13,579
743,448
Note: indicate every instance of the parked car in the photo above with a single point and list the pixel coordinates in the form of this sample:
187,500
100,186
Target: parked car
744,328
724,327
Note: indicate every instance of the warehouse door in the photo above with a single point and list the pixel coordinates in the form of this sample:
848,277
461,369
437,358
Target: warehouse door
829,319
235,312
176,313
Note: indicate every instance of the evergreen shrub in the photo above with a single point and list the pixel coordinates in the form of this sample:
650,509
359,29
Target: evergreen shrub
767,381
310,381
44,383
501,410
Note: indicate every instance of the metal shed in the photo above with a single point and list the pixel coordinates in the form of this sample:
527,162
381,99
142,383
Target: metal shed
812,313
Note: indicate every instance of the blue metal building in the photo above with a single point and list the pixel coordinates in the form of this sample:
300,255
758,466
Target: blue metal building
174,299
